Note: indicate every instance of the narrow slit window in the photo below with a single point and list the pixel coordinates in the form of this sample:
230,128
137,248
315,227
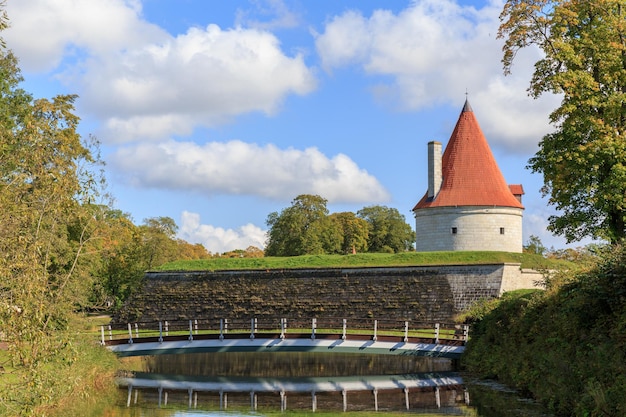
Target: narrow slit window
454,230
502,230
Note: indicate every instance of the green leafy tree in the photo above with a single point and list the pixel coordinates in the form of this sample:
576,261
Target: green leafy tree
535,246
584,161
388,230
158,241
48,183
297,230
354,231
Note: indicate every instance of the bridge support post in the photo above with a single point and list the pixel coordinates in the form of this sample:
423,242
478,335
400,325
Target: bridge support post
283,402
130,392
190,331
313,327
167,328
110,333
375,392
465,333
406,399
375,332
102,334
223,401
406,331
344,328
160,332
253,328
436,333
344,396
222,329
313,401
283,327
130,334
253,401
136,331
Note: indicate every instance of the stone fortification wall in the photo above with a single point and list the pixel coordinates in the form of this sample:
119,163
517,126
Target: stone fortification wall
424,294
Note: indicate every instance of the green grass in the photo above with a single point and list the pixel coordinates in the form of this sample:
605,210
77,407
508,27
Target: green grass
367,260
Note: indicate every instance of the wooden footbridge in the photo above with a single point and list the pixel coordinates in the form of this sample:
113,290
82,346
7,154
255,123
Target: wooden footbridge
282,335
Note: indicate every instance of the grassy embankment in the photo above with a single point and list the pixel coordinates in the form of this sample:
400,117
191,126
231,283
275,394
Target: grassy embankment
366,260
565,346
78,385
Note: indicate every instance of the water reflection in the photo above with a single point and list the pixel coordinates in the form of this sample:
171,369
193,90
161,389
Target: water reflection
360,393
291,364
219,384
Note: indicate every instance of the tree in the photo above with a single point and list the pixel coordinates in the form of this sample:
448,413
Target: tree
297,230
535,246
584,161
158,241
48,185
354,231
388,230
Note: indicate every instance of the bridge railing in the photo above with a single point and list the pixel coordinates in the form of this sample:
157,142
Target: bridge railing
261,327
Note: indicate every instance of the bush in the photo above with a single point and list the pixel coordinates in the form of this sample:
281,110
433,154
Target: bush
566,346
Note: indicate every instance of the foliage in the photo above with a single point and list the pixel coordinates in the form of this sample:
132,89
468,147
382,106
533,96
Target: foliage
367,259
388,229
354,232
482,308
48,182
306,228
296,230
566,346
535,246
76,387
126,251
584,161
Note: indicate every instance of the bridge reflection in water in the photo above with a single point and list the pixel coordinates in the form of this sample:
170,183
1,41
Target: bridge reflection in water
412,392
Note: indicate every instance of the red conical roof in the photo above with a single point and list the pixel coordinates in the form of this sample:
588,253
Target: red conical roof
470,174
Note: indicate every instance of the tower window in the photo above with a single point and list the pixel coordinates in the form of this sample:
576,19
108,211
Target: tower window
454,230
502,230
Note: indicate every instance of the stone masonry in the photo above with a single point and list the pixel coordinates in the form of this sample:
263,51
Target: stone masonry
427,294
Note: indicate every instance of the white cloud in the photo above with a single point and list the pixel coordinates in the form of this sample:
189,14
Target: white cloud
200,78
217,239
43,32
240,168
434,51
143,83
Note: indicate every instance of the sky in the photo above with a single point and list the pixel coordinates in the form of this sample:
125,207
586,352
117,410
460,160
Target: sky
217,113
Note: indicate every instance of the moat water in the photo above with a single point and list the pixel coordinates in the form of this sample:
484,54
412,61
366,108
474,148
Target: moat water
263,384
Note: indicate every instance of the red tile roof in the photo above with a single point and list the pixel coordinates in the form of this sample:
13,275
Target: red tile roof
470,174
516,189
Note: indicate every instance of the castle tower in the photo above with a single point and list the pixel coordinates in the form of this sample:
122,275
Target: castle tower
468,205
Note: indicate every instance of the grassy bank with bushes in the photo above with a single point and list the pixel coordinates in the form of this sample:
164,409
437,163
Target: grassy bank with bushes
367,260
78,381
565,346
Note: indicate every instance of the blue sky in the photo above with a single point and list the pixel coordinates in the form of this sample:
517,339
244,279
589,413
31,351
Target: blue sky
216,113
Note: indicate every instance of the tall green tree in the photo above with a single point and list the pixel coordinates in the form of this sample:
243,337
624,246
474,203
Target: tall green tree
388,230
300,228
584,161
354,231
158,241
48,182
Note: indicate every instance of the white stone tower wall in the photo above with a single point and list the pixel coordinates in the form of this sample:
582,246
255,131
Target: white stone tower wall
477,228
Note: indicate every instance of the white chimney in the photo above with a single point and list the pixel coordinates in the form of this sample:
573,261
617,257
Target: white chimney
434,168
